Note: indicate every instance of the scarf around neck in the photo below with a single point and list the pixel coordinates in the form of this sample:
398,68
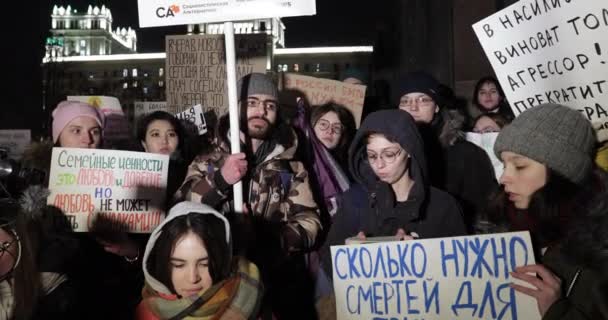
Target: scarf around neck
237,297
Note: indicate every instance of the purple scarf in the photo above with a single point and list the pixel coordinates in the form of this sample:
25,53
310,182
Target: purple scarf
330,176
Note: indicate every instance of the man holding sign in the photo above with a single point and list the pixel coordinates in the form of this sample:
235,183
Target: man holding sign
276,188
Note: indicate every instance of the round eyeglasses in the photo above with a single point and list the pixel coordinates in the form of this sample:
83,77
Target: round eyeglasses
324,125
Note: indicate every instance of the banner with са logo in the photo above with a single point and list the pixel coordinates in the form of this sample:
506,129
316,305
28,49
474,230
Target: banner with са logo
155,13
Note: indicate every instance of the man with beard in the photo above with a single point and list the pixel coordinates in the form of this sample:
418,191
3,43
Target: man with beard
281,220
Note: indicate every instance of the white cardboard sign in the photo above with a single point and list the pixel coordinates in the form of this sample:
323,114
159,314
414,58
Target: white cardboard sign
486,141
126,188
195,115
551,51
445,278
155,13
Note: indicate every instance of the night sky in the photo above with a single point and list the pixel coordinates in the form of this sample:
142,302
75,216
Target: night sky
338,22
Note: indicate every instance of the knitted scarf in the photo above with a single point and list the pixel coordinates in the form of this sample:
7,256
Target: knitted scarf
237,297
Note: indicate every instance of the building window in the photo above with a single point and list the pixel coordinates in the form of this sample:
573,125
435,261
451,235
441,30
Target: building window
161,72
135,84
296,67
134,72
161,83
125,73
125,85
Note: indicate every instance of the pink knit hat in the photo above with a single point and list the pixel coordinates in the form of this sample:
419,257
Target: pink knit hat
67,111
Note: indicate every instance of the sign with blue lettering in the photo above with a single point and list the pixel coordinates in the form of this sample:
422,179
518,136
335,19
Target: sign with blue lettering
445,278
109,189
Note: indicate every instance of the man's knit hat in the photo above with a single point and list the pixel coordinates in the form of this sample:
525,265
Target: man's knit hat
67,111
256,83
554,135
422,82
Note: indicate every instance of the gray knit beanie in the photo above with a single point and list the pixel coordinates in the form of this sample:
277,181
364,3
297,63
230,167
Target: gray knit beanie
552,134
256,83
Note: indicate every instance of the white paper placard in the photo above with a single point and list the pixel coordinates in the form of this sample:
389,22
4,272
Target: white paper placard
551,51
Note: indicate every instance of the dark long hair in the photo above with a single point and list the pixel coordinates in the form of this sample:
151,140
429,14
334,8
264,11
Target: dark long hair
146,120
210,229
25,276
479,84
347,120
549,213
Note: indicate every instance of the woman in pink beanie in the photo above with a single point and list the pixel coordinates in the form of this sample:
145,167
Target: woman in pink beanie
77,125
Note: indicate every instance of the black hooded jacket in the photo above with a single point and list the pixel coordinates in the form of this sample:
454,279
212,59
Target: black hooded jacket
370,205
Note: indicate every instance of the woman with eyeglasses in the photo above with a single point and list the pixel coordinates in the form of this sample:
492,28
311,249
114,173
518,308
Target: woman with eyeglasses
393,196
491,122
34,253
456,165
334,127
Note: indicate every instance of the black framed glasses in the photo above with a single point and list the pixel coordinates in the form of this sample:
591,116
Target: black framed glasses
324,125
388,156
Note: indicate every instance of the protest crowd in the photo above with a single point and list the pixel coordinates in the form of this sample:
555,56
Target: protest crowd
312,177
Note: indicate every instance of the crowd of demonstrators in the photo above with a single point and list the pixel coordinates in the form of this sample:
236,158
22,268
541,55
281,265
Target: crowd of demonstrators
309,183
552,188
456,165
190,269
488,98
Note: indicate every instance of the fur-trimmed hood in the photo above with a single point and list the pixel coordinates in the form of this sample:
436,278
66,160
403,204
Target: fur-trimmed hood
38,155
448,124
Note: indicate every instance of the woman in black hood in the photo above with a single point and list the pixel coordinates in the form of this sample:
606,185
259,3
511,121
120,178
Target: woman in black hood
393,195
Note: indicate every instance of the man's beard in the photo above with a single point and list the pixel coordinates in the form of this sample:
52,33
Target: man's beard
257,131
